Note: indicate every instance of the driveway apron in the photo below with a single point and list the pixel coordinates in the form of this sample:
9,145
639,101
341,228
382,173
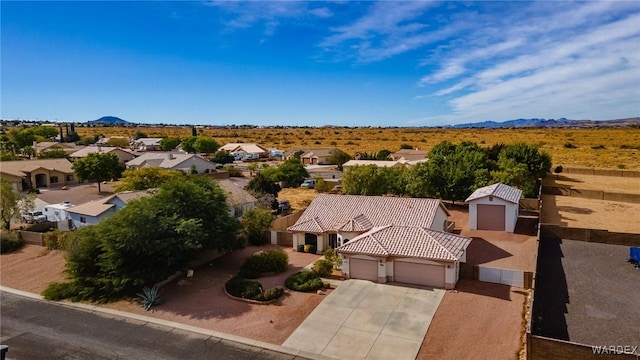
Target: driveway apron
365,320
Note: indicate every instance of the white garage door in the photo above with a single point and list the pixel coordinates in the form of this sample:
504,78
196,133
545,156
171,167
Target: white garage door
419,274
363,269
490,217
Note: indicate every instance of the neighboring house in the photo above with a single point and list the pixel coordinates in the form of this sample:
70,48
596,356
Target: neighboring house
311,156
238,199
30,174
388,225
378,163
173,161
69,148
409,155
123,155
93,212
104,141
494,207
146,144
246,149
58,213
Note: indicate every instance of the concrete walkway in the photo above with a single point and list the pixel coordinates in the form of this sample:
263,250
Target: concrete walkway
365,320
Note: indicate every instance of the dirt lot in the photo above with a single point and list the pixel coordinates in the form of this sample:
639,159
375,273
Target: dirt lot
468,324
591,214
497,248
595,182
198,301
31,268
587,293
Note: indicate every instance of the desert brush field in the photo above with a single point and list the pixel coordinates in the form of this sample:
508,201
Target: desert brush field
590,147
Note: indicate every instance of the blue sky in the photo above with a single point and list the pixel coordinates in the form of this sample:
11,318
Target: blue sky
320,63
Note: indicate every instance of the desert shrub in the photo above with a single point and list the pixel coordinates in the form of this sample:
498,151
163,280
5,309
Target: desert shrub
149,298
233,171
243,288
304,280
322,268
313,249
597,147
570,146
10,241
56,240
59,291
300,247
333,257
273,293
265,261
622,166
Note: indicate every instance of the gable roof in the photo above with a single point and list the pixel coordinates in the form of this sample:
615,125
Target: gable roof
251,148
164,160
236,194
148,141
127,196
318,152
99,150
93,208
406,241
409,154
20,168
360,213
499,190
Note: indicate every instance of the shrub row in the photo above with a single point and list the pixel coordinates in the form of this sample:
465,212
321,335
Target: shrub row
10,241
252,290
304,280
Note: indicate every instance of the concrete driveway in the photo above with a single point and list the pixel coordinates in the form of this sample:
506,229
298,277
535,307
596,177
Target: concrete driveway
365,320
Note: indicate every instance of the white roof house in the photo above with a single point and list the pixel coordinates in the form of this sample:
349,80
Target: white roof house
247,148
173,161
93,211
147,144
494,207
385,238
123,155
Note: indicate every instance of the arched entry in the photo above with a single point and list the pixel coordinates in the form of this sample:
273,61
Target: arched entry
311,239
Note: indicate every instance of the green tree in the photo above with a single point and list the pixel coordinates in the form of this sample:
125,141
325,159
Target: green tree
363,180
291,172
383,154
140,134
13,203
222,157
146,178
207,145
256,222
149,240
118,142
87,140
265,190
97,167
8,156
169,143
538,163
188,144
53,153
338,157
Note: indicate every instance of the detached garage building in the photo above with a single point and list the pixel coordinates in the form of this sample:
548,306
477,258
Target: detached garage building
494,207
405,254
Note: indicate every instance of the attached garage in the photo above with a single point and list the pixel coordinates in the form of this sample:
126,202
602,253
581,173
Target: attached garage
491,217
494,207
419,274
364,269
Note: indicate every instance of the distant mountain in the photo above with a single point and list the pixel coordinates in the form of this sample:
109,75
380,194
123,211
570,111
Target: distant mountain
551,123
109,120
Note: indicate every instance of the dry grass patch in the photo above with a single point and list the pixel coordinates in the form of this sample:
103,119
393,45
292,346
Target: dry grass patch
299,198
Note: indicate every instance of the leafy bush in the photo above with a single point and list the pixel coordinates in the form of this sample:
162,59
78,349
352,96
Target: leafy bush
273,293
333,256
10,241
56,240
274,260
246,289
149,298
304,280
256,222
58,291
322,268
597,147
313,249
569,146
300,247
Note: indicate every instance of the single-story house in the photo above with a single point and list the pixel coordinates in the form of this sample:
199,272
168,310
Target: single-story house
29,174
69,148
246,149
494,207
173,161
378,163
123,155
408,155
405,254
146,144
384,231
311,156
104,141
93,211
239,200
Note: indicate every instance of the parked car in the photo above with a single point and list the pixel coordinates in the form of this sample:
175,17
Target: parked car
336,189
309,183
250,157
34,217
283,206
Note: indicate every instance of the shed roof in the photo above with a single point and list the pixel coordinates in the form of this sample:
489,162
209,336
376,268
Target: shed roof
406,241
499,190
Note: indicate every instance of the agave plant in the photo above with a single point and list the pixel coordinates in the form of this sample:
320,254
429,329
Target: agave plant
149,297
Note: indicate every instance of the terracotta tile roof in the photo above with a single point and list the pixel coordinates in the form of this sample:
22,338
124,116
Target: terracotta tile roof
405,241
313,225
359,223
336,211
499,190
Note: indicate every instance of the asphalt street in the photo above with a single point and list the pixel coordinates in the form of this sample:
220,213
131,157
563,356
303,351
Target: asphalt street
37,329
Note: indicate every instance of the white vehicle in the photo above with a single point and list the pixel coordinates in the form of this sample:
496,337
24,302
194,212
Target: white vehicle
250,157
34,217
309,183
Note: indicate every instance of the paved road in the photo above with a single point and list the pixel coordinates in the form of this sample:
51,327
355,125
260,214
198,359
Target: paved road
36,329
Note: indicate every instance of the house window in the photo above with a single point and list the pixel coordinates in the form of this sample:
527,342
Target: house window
333,240
69,177
83,219
53,179
57,213
344,241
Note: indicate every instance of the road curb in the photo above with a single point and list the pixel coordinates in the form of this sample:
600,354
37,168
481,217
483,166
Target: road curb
171,324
